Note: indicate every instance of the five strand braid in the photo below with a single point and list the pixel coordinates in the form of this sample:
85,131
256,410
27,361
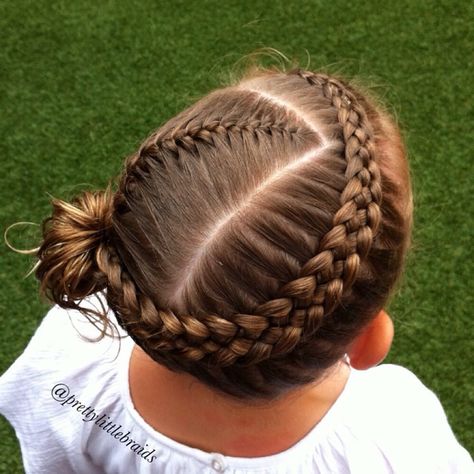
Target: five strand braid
300,305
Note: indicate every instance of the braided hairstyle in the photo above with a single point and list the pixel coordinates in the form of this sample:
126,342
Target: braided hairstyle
250,238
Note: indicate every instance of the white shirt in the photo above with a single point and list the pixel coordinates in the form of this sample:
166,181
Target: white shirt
69,402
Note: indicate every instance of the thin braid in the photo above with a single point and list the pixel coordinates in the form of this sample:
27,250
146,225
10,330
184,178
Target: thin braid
186,137
277,325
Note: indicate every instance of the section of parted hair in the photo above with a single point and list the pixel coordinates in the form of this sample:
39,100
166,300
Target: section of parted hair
247,224
251,238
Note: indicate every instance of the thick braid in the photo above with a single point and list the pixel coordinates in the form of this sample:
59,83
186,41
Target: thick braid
356,222
277,325
186,336
183,334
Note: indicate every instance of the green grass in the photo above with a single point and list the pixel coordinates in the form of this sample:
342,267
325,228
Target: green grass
82,83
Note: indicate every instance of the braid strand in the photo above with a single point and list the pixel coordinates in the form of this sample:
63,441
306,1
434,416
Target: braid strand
300,305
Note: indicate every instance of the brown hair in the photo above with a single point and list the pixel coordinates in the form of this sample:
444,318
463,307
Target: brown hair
250,238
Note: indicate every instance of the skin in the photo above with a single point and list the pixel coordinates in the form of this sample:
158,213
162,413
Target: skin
180,407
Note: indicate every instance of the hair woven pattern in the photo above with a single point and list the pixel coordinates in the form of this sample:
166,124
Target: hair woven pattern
298,308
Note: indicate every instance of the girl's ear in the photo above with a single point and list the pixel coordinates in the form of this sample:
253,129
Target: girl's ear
373,343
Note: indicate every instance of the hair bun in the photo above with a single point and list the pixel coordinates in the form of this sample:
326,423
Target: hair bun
74,237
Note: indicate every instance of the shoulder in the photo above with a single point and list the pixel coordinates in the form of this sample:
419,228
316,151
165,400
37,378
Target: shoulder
391,384
391,406
393,396
63,332
65,347
63,359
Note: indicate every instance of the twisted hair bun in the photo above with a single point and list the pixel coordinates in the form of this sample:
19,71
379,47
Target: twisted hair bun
75,237
251,237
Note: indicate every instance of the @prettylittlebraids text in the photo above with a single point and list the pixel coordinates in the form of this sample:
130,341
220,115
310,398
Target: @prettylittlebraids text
61,393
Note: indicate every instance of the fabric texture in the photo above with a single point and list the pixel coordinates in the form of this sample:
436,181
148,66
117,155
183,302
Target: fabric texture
68,400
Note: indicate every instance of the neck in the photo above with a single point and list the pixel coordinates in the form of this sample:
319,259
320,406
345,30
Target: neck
182,408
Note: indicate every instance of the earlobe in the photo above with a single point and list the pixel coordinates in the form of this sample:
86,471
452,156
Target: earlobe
373,344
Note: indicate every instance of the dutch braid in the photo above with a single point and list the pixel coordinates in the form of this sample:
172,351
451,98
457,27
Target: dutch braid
300,305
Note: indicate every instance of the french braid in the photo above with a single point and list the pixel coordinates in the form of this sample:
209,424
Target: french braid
299,307
188,136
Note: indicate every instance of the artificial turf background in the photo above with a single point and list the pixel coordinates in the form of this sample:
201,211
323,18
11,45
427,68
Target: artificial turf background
82,83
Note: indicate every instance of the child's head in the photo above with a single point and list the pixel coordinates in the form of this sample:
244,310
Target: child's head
250,238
